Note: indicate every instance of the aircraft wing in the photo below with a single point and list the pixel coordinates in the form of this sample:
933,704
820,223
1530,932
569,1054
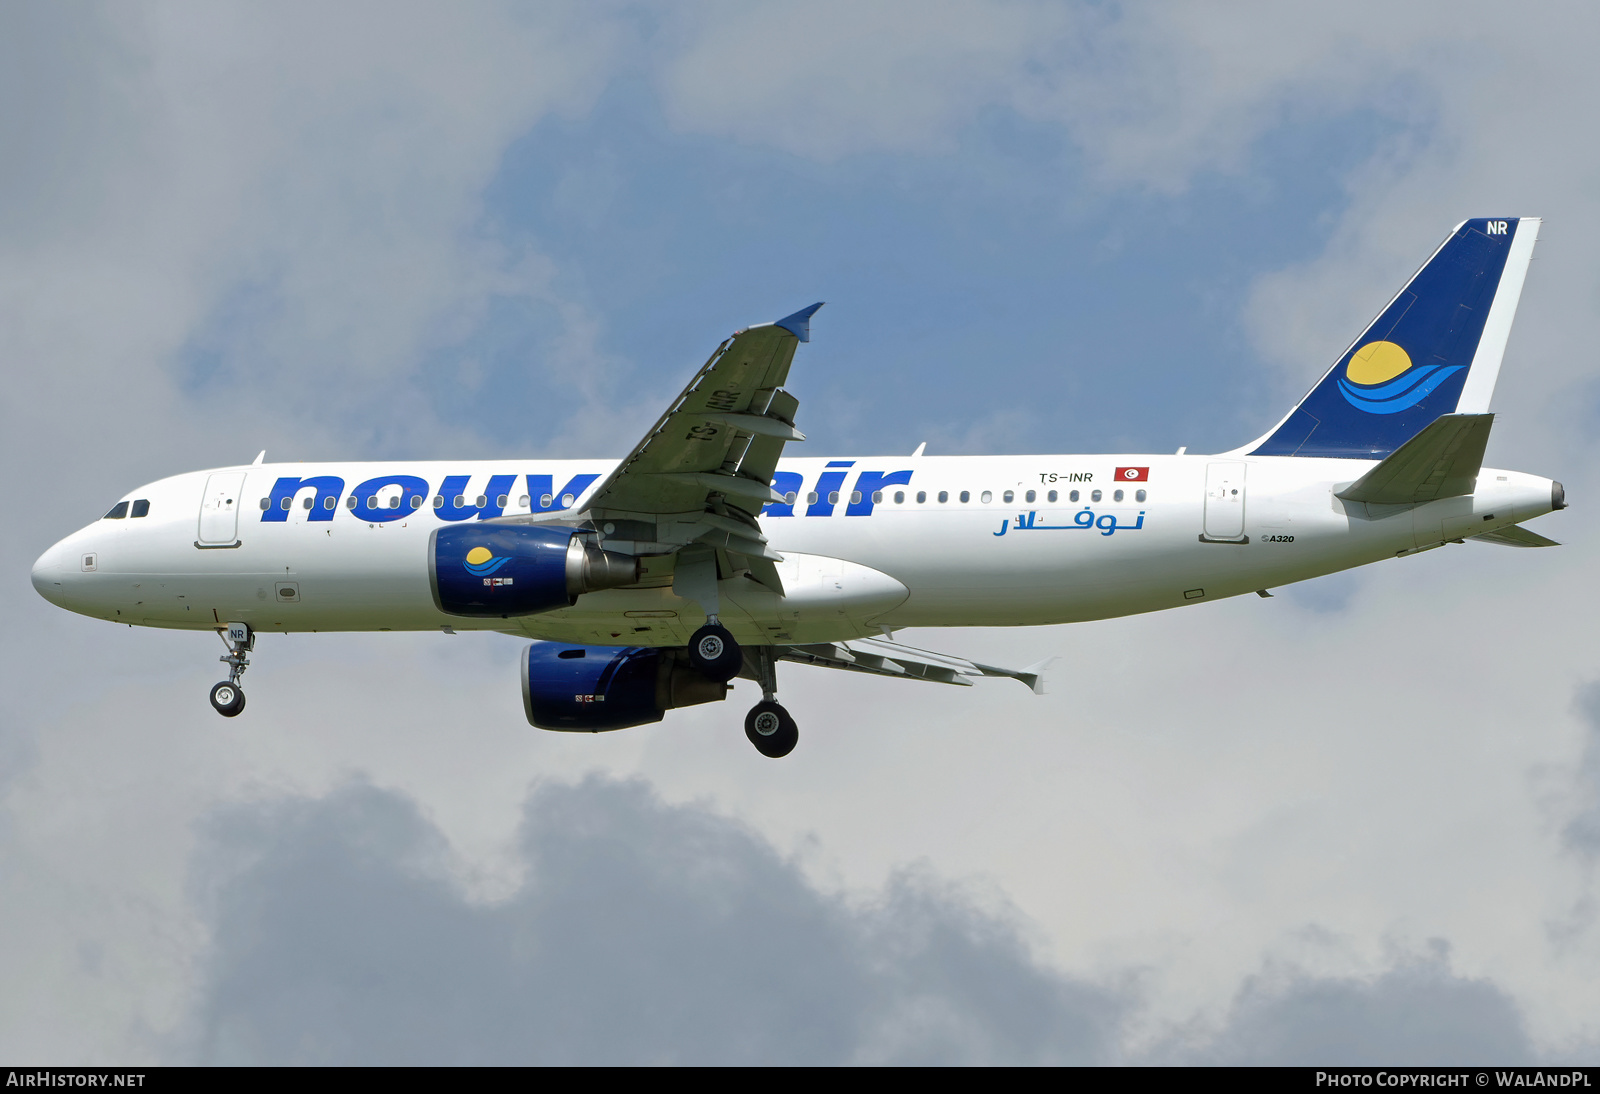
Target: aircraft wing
704,471
881,658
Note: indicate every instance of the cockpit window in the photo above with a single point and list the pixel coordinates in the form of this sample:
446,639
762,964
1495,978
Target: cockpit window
141,508
118,511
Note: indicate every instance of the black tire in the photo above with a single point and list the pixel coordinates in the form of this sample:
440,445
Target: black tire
771,730
714,654
228,699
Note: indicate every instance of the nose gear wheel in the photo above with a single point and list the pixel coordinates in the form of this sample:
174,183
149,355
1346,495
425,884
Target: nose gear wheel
227,698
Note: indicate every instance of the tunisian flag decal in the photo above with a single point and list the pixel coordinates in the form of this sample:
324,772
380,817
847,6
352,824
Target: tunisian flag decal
1133,474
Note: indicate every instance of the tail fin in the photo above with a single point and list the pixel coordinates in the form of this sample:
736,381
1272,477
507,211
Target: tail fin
1434,350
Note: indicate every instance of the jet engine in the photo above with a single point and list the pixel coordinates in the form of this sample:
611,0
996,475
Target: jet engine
593,688
489,570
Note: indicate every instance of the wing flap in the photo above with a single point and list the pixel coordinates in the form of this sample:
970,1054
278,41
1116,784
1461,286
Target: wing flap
734,487
883,658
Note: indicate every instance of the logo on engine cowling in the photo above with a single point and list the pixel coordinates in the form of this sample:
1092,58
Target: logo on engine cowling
481,562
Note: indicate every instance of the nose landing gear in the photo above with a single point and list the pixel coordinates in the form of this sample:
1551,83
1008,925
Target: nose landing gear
228,697
768,725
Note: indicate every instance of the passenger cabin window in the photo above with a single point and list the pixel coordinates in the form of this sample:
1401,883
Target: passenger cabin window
1094,496
330,502
922,496
987,496
522,502
309,502
416,501
811,498
266,503
1009,496
944,496
899,497
286,502
1117,496
966,496
1030,495
833,497
1139,495
118,511
788,499
855,497
877,497
502,500
1052,496
141,508
481,502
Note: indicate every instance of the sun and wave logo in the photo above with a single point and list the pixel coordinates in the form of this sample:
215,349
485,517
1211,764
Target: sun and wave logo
1380,379
481,562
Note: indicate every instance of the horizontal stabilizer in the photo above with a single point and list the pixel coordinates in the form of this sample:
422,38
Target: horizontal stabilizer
1515,536
1442,461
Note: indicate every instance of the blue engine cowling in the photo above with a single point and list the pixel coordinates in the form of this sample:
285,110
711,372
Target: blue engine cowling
594,688
505,570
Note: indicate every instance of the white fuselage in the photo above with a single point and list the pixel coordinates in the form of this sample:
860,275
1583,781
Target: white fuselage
1207,527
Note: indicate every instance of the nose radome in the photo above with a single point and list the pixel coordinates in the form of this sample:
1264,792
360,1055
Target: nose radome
50,573
45,574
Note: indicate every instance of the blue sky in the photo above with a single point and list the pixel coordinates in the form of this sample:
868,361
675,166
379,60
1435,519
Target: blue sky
996,279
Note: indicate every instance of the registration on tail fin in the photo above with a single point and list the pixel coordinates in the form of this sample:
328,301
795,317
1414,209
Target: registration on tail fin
1434,350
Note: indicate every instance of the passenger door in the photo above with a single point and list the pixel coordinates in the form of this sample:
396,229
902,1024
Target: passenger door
1224,520
219,510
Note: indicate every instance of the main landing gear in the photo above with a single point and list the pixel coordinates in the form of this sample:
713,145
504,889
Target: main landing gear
768,725
716,656
228,697
714,653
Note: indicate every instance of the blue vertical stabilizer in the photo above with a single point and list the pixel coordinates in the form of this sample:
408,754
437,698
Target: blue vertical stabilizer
1434,350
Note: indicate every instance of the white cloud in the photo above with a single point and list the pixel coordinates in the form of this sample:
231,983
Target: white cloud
834,78
310,176
649,933
643,934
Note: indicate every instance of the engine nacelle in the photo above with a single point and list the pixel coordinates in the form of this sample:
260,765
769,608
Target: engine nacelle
594,688
504,570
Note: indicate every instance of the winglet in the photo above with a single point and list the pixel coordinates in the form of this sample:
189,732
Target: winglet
799,324
1033,675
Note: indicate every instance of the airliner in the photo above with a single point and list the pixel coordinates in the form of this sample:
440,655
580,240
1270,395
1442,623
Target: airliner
706,554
